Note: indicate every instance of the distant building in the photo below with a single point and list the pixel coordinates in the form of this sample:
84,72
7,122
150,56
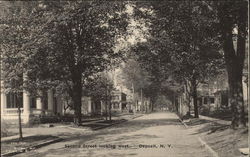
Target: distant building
118,101
212,95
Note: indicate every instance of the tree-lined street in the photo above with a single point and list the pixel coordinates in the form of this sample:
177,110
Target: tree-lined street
136,137
90,65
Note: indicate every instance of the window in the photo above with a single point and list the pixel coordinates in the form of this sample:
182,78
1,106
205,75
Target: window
12,100
32,102
45,101
55,104
205,101
212,100
115,105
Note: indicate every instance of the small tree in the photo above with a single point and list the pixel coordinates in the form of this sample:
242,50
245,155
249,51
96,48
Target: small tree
14,52
99,88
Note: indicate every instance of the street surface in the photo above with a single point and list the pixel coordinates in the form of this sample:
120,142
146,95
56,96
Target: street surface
152,135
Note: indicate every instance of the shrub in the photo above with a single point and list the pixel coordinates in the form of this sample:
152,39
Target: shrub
205,110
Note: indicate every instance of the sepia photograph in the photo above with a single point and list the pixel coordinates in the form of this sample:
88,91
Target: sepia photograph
124,78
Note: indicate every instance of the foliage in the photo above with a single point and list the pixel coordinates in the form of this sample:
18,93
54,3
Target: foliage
99,87
183,45
233,28
60,43
16,37
134,76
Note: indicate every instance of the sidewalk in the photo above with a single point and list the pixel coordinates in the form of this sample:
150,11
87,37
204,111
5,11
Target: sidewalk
59,131
4,139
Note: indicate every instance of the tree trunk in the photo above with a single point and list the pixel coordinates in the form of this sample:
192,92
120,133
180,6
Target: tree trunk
188,103
196,110
152,107
19,120
152,103
194,95
110,111
188,97
234,57
236,101
106,102
174,104
106,110
76,97
109,100
235,64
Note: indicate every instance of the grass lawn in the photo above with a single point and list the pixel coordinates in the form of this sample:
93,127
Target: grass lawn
221,138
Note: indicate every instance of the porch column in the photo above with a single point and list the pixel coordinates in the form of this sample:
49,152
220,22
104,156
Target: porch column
26,102
26,106
39,105
120,106
50,101
93,106
89,106
102,108
3,101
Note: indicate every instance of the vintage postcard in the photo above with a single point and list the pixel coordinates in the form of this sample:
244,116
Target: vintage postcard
124,78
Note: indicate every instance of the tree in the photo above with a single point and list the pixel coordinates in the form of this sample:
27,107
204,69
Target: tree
233,17
14,39
82,38
99,88
232,24
63,43
137,79
184,37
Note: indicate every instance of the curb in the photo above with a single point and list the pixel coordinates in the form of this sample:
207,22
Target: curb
32,147
203,143
186,126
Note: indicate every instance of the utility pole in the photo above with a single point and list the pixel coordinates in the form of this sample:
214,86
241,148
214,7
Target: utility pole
106,98
109,101
174,103
133,97
141,99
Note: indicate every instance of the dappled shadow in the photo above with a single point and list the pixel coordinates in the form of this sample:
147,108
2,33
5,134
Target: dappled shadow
127,127
208,127
196,121
102,124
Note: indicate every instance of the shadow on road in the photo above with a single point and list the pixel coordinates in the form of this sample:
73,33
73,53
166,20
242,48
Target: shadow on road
127,127
207,126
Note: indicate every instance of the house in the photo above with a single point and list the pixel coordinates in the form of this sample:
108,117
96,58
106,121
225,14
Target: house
215,93
118,101
49,105
31,107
